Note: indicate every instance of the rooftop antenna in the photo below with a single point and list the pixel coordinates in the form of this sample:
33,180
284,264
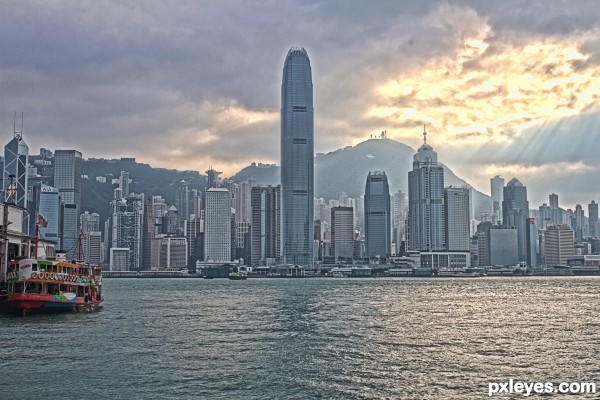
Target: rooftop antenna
18,134
424,135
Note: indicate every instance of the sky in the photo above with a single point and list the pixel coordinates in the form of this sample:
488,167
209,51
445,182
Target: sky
503,87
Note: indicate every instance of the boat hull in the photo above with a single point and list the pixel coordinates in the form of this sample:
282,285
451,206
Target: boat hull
27,303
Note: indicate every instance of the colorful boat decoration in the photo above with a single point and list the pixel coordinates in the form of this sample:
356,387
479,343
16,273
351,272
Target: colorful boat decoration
44,285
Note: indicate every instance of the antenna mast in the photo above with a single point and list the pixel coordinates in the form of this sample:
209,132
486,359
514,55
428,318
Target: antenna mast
18,134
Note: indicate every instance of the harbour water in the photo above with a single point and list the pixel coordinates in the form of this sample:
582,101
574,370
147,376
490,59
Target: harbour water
327,338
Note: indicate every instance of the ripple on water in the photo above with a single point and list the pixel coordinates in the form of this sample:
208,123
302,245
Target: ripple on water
308,339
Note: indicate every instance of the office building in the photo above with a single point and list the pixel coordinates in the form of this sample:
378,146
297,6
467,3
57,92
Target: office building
15,176
426,228
265,224
67,178
457,221
497,245
67,175
297,159
49,210
15,171
559,245
515,212
217,228
532,243
593,219
342,233
377,215
127,228
497,186
173,253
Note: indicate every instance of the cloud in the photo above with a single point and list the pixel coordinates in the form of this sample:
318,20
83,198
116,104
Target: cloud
185,85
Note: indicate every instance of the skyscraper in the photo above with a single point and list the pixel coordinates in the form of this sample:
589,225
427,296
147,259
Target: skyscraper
16,162
297,159
16,153
559,244
342,233
456,216
515,212
67,178
425,201
127,228
593,218
49,208
266,225
217,230
377,215
497,184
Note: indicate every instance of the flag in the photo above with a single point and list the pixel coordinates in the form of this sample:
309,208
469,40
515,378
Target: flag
41,221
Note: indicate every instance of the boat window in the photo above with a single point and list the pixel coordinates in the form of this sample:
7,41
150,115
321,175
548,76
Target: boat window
34,267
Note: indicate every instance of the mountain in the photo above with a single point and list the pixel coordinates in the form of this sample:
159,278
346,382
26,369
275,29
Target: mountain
96,196
345,170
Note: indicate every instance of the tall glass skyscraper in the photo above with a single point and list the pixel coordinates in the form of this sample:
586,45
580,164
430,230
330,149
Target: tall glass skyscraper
16,154
426,228
378,216
67,178
67,175
515,212
297,159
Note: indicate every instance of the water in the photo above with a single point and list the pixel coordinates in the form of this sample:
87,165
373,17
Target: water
307,339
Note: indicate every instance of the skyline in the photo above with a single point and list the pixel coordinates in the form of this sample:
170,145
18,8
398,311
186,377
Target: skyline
504,90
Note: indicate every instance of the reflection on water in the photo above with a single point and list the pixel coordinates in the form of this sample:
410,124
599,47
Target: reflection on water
307,338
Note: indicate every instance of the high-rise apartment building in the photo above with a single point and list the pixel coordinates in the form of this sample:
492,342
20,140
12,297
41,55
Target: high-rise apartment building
297,159
377,215
426,228
515,212
217,228
265,224
342,233
456,216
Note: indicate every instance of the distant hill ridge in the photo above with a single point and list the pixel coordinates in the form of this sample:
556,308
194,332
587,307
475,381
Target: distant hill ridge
345,170
342,170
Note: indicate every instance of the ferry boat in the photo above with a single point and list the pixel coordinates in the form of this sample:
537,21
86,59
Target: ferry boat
45,285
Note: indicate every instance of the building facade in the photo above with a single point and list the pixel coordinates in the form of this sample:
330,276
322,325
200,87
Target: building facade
559,245
297,159
456,219
378,216
497,186
426,228
515,213
217,228
266,224
342,233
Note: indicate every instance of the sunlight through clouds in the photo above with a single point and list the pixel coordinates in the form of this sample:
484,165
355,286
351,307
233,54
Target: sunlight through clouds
488,88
